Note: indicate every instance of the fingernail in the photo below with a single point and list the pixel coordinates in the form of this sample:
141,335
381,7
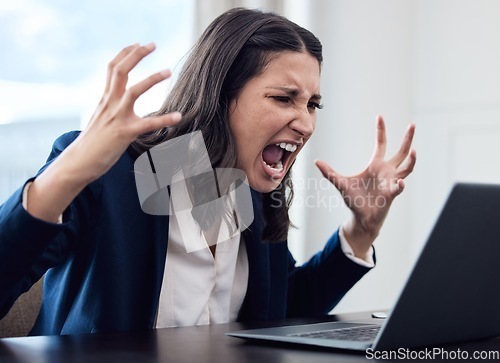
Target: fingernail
166,73
176,116
150,46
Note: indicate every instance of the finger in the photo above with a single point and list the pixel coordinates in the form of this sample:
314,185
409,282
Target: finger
397,187
381,141
133,93
119,73
111,65
397,159
152,123
410,164
336,179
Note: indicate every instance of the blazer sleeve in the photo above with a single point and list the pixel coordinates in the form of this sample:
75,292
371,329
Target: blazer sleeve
30,246
318,285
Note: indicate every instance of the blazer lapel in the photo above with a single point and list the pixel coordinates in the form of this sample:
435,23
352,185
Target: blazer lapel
160,255
256,305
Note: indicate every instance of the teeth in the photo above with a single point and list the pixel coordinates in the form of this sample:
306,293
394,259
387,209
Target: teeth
288,147
276,167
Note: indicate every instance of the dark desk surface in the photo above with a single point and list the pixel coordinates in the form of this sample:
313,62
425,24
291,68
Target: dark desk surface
191,344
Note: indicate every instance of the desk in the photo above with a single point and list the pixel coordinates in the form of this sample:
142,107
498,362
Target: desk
179,345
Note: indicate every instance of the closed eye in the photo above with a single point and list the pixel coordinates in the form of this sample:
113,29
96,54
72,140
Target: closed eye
286,99
315,105
282,99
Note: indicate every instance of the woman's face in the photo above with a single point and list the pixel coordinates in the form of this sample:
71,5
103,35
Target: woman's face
273,117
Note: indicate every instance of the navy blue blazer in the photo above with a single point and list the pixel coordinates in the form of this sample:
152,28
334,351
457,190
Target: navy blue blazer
104,265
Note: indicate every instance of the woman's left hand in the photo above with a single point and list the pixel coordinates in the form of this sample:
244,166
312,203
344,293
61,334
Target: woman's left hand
369,194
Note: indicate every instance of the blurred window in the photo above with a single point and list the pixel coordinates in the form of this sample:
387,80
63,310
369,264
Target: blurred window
53,68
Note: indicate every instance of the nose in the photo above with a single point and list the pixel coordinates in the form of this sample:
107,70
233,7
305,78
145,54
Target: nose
303,124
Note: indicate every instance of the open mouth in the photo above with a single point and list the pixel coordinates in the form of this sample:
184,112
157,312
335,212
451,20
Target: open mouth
275,156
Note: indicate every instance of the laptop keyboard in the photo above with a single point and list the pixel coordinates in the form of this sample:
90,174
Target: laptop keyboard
359,333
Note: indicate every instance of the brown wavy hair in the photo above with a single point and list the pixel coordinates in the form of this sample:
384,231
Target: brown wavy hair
235,47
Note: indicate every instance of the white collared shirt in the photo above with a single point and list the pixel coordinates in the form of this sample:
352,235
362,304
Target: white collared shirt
199,287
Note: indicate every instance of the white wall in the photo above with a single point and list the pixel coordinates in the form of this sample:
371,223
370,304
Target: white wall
456,99
435,63
367,71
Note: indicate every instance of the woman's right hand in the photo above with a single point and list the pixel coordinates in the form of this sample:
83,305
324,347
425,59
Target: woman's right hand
113,126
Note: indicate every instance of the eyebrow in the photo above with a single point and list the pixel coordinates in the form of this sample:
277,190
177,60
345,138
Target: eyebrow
295,92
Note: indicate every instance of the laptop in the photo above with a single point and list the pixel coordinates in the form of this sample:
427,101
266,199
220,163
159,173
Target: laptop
451,294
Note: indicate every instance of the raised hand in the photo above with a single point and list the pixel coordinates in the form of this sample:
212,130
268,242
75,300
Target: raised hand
112,128
369,194
114,125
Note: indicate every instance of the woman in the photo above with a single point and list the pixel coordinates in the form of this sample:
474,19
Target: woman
251,85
